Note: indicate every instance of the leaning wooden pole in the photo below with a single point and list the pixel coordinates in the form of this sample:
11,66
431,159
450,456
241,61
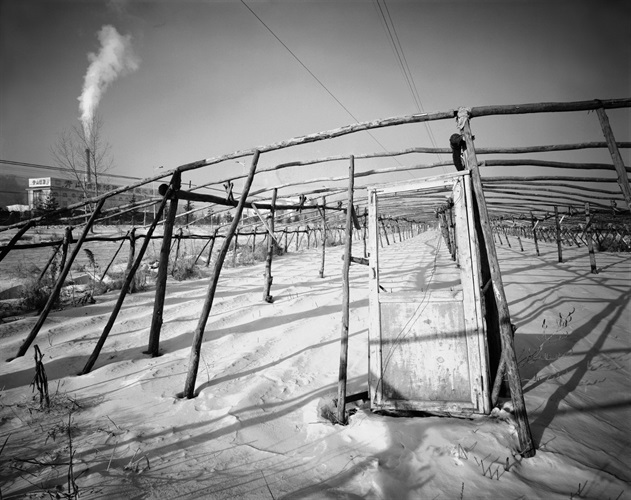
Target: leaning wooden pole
323,212
15,239
198,336
526,444
125,288
623,179
506,236
107,268
153,347
348,244
131,256
271,246
213,239
201,252
385,232
534,233
60,283
50,261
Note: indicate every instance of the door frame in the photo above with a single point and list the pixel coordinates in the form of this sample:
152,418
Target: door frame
469,263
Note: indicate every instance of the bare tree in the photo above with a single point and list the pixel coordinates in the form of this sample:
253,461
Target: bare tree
84,153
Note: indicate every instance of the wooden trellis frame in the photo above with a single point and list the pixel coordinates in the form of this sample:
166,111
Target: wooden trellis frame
534,203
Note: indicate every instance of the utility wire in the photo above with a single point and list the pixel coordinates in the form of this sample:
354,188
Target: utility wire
59,169
403,64
316,78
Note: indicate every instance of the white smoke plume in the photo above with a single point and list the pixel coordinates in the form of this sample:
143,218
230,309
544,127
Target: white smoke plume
115,58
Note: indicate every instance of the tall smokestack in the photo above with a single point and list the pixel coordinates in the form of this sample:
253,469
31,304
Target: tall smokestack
88,177
115,58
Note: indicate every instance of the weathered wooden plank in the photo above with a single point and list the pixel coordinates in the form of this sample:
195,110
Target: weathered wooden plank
472,271
423,351
375,388
472,336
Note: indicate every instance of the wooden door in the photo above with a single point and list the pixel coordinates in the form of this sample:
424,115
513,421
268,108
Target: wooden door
427,348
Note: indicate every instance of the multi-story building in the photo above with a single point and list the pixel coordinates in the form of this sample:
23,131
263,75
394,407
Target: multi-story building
68,192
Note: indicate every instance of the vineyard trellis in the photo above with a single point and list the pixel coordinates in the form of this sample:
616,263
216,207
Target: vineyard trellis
564,209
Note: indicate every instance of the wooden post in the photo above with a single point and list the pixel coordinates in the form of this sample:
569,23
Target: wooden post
153,347
198,336
254,241
534,233
323,212
557,226
521,246
64,248
621,171
506,237
130,260
385,232
15,239
341,387
177,247
126,285
590,244
213,238
271,247
60,283
202,251
496,233
527,447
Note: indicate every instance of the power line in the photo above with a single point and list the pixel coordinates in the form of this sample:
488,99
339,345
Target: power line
315,77
395,49
59,169
404,66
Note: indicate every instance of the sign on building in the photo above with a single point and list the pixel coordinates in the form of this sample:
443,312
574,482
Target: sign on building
39,182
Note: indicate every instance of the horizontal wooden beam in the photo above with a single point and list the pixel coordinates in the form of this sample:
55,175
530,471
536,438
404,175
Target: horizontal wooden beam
550,164
218,200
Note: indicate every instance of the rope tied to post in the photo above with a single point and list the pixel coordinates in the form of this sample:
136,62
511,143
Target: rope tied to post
462,116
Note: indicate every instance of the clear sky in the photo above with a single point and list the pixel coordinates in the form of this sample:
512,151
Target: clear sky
211,79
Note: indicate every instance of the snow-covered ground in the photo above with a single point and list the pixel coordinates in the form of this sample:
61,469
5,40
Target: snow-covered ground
255,430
